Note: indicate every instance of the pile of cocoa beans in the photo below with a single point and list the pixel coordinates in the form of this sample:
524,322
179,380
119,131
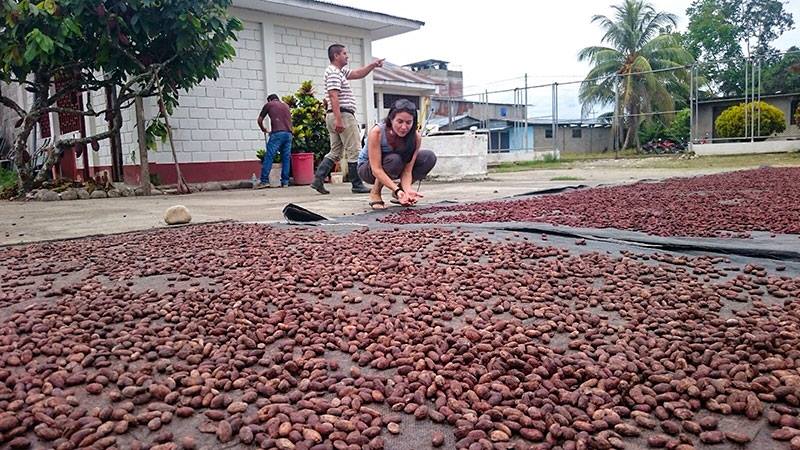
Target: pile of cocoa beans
252,336
723,205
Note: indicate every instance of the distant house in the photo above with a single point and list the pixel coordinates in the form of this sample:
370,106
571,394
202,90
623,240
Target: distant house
509,135
392,82
709,109
588,136
283,42
451,81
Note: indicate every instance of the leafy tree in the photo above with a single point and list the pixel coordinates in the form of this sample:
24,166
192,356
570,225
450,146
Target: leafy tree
676,130
722,33
782,76
310,134
637,49
797,115
736,121
679,129
139,47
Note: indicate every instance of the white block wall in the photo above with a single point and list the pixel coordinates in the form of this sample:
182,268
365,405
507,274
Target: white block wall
302,55
216,121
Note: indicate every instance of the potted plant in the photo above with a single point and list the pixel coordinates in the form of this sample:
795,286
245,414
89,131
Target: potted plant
310,141
275,172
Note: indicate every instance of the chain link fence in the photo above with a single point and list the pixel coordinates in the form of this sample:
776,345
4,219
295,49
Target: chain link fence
657,112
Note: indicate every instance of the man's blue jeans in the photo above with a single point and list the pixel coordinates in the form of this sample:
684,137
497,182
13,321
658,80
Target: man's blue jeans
279,141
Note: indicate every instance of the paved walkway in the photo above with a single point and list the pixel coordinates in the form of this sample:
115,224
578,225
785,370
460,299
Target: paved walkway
22,222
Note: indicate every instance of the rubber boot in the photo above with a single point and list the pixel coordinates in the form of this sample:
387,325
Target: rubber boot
358,185
322,172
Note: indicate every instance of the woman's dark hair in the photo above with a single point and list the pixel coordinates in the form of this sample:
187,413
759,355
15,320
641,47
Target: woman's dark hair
406,106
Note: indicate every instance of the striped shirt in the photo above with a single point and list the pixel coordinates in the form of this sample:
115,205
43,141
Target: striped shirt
336,80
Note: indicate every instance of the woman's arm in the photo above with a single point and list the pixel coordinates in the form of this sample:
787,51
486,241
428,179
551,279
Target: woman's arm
406,178
409,196
376,159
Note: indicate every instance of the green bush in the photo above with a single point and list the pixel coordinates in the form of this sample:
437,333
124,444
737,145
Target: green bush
8,183
797,115
310,134
261,153
651,130
678,130
731,123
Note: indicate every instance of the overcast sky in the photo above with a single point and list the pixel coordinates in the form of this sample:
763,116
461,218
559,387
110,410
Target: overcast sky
493,41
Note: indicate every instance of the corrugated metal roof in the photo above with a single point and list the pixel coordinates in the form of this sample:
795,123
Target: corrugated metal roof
394,73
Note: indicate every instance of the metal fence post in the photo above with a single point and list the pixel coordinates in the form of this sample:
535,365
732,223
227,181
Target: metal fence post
691,105
615,124
753,96
556,149
525,111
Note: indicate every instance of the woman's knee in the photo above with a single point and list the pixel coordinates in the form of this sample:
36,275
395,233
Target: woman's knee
393,165
426,159
365,173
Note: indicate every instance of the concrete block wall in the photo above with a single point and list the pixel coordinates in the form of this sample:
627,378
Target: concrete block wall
216,121
302,54
458,156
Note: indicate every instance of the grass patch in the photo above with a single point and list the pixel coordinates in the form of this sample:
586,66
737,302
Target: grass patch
8,183
7,178
636,161
724,162
622,154
567,160
566,178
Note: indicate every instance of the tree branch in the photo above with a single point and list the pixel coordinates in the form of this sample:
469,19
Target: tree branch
57,109
66,143
7,102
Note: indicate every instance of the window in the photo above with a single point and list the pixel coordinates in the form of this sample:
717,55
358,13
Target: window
577,133
792,111
548,133
499,140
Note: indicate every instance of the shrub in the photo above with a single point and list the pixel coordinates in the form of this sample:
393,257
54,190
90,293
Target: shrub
8,183
678,130
310,134
731,123
261,153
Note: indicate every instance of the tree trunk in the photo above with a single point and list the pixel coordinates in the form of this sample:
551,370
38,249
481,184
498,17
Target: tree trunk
183,188
144,165
24,159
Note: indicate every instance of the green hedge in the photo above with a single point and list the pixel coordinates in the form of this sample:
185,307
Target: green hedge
731,123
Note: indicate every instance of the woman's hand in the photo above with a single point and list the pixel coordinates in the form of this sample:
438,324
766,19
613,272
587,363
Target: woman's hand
409,197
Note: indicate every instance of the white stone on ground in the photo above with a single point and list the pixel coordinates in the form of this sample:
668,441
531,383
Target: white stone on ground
176,215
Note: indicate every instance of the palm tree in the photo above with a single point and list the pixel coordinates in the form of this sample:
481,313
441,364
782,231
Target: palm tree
640,46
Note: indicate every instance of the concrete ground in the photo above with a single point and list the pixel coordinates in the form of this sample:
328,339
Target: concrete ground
22,222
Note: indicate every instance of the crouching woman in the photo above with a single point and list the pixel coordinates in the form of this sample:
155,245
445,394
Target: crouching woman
392,152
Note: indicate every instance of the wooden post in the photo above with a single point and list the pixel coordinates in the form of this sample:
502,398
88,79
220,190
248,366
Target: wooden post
144,165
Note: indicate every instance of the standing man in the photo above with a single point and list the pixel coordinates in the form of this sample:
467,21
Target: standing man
280,139
341,118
